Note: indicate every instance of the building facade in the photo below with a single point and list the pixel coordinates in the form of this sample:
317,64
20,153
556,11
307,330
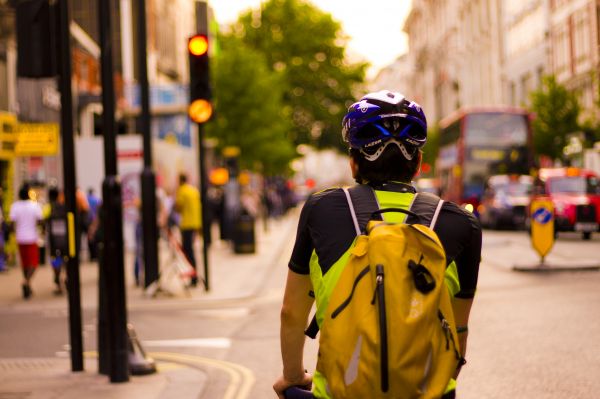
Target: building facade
526,50
433,33
169,23
455,53
495,52
575,48
394,77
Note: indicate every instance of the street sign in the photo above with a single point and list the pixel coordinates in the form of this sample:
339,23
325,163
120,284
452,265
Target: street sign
36,139
542,226
8,122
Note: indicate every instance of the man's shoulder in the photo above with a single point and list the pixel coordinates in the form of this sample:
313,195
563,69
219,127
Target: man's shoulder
322,201
457,212
328,194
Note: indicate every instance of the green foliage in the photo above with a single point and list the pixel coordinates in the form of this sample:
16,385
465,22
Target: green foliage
556,112
306,46
250,112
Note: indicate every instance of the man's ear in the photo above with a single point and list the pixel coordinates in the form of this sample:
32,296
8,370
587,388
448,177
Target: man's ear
353,167
420,158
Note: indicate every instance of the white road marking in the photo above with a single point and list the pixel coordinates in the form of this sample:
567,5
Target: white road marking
219,343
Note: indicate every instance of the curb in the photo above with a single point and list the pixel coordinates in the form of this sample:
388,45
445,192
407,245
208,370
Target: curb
549,268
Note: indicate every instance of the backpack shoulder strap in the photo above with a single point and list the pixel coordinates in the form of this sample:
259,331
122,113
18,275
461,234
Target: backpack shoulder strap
428,207
364,197
352,211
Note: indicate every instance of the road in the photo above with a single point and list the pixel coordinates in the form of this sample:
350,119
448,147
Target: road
532,335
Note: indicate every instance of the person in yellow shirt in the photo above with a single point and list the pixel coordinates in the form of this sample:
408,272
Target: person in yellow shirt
187,203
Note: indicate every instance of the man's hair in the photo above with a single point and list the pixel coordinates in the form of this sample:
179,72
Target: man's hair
53,194
182,178
390,166
24,193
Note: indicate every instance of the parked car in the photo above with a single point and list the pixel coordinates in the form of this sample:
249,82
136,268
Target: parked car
575,194
505,200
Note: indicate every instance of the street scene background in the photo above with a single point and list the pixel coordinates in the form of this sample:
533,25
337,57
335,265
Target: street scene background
511,91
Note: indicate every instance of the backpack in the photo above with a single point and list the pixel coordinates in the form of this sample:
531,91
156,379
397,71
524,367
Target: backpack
389,329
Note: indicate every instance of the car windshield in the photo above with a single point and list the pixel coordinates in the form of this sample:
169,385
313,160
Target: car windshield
513,188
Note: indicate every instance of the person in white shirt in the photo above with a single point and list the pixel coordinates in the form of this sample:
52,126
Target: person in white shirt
25,215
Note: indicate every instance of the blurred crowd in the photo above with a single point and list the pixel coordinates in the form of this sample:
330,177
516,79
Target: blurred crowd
34,227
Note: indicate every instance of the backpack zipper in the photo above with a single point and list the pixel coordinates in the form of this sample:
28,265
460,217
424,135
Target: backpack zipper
448,334
346,302
382,328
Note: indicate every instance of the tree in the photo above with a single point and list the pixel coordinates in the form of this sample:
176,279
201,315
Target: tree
250,112
307,47
556,112
431,149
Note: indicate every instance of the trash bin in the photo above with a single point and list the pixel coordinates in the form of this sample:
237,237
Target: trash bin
243,235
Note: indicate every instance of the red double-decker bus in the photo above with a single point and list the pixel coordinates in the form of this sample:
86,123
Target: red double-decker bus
476,143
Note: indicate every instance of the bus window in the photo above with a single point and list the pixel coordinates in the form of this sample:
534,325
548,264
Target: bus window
490,129
451,134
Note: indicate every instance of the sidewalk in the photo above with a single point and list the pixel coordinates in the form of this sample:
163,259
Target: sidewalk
569,253
232,277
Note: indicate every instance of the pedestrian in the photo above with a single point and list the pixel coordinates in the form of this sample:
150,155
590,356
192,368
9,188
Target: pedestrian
187,204
83,208
138,259
55,217
384,132
93,203
25,215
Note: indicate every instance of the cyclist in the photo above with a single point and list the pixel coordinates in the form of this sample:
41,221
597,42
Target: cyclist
385,133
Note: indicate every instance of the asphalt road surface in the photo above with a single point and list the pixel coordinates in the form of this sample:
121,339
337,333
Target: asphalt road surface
532,335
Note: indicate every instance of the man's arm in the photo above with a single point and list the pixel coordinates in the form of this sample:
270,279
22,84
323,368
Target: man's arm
294,317
462,309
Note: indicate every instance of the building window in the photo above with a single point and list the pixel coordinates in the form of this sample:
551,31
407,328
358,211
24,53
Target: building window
561,50
513,93
539,76
581,36
525,87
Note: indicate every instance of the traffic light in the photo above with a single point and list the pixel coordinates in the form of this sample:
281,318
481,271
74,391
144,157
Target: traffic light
37,44
200,109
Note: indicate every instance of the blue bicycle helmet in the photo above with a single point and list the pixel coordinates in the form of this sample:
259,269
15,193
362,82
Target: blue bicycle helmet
383,118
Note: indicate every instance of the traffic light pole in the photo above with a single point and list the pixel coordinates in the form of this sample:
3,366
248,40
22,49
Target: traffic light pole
204,205
112,292
148,180
68,152
200,111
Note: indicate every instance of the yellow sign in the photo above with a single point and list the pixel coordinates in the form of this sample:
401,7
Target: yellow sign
8,123
36,139
542,226
487,155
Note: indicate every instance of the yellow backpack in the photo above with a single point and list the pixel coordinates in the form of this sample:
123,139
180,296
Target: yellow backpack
389,330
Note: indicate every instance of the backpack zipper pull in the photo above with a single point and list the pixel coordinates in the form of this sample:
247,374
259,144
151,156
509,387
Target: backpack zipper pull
446,328
378,282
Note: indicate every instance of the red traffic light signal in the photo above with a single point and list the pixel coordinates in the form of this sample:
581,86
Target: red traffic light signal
198,45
